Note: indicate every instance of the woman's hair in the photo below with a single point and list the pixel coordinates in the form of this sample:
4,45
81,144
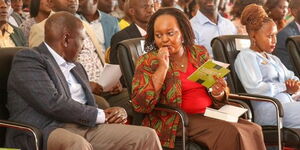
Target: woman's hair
34,8
253,17
182,20
239,6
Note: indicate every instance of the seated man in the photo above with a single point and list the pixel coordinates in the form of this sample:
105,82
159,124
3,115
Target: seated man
49,90
10,36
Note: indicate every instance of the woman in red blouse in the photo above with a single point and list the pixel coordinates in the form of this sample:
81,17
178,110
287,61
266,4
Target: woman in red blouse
160,77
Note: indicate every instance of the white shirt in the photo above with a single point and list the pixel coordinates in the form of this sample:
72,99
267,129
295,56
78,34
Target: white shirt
76,90
205,30
142,31
98,29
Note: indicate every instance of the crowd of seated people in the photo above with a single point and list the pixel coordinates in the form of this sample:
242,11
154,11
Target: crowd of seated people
178,34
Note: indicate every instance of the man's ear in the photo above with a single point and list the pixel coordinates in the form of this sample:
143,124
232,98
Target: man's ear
65,40
131,12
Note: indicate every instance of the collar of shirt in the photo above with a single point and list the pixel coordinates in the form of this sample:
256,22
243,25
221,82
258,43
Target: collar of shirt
298,26
63,64
94,21
202,19
142,31
8,30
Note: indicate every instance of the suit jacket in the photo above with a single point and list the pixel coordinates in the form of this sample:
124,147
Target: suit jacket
38,95
128,33
281,51
18,36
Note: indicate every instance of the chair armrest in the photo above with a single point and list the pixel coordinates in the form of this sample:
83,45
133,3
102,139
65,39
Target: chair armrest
19,126
254,97
183,116
274,101
180,112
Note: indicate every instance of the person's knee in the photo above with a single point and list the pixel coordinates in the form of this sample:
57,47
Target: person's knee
79,143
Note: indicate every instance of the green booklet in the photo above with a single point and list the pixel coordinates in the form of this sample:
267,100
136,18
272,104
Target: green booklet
204,74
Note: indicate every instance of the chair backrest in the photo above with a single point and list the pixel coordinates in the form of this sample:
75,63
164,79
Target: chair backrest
293,46
225,49
128,52
6,57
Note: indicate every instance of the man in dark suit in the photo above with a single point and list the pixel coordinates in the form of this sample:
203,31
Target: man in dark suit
290,30
140,12
49,90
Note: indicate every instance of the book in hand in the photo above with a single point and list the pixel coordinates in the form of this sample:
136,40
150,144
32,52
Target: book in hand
204,74
227,113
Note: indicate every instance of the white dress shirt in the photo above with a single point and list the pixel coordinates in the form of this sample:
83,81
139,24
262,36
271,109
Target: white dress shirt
205,30
76,90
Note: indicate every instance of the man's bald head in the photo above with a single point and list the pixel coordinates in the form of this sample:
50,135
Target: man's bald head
59,23
65,34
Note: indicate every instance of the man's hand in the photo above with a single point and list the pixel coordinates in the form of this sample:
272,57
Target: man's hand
116,89
115,115
96,88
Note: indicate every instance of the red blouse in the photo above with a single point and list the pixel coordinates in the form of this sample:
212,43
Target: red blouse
195,97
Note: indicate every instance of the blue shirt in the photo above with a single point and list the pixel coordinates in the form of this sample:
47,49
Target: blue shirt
205,30
76,90
264,76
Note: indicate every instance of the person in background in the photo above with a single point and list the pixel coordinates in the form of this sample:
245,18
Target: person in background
262,73
39,11
119,10
292,29
140,12
161,78
18,14
106,6
208,24
168,3
126,20
157,4
183,5
236,12
10,36
193,8
49,90
103,24
277,10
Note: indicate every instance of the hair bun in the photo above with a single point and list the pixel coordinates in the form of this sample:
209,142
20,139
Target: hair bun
253,17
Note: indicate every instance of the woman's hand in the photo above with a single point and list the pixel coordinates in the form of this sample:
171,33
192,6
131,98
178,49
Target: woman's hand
163,57
115,115
292,86
218,89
